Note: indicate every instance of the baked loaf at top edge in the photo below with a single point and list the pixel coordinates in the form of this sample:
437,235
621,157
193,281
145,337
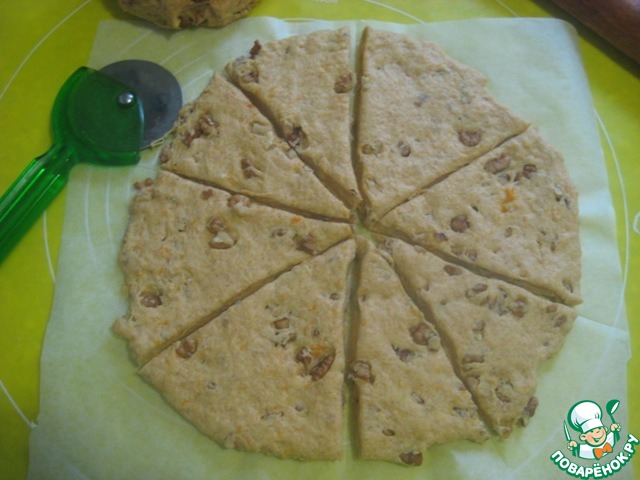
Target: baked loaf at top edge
177,14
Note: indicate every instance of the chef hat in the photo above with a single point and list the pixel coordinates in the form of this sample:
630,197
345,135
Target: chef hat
585,416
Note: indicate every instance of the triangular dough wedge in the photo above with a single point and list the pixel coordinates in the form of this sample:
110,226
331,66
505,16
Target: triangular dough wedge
224,140
496,334
421,116
409,397
304,84
191,250
513,213
267,375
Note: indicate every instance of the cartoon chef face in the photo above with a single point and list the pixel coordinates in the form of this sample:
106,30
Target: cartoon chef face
595,437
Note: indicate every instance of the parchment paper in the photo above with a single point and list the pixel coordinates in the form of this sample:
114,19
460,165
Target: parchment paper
99,420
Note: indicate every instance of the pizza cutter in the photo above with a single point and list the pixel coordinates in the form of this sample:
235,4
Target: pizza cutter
104,117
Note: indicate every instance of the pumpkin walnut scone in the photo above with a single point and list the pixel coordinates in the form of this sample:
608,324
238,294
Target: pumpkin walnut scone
496,334
303,83
267,374
421,115
512,213
408,396
237,258
176,14
191,250
223,140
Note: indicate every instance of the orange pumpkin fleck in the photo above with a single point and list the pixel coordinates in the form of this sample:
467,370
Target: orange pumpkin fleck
509,196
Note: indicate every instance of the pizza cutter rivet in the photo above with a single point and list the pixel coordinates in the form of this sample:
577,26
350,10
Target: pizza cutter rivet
126,99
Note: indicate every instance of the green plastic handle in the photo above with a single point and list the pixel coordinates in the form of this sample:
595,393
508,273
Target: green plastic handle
96,119
31,194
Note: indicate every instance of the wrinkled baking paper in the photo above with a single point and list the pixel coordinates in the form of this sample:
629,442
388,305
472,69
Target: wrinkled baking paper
98,419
